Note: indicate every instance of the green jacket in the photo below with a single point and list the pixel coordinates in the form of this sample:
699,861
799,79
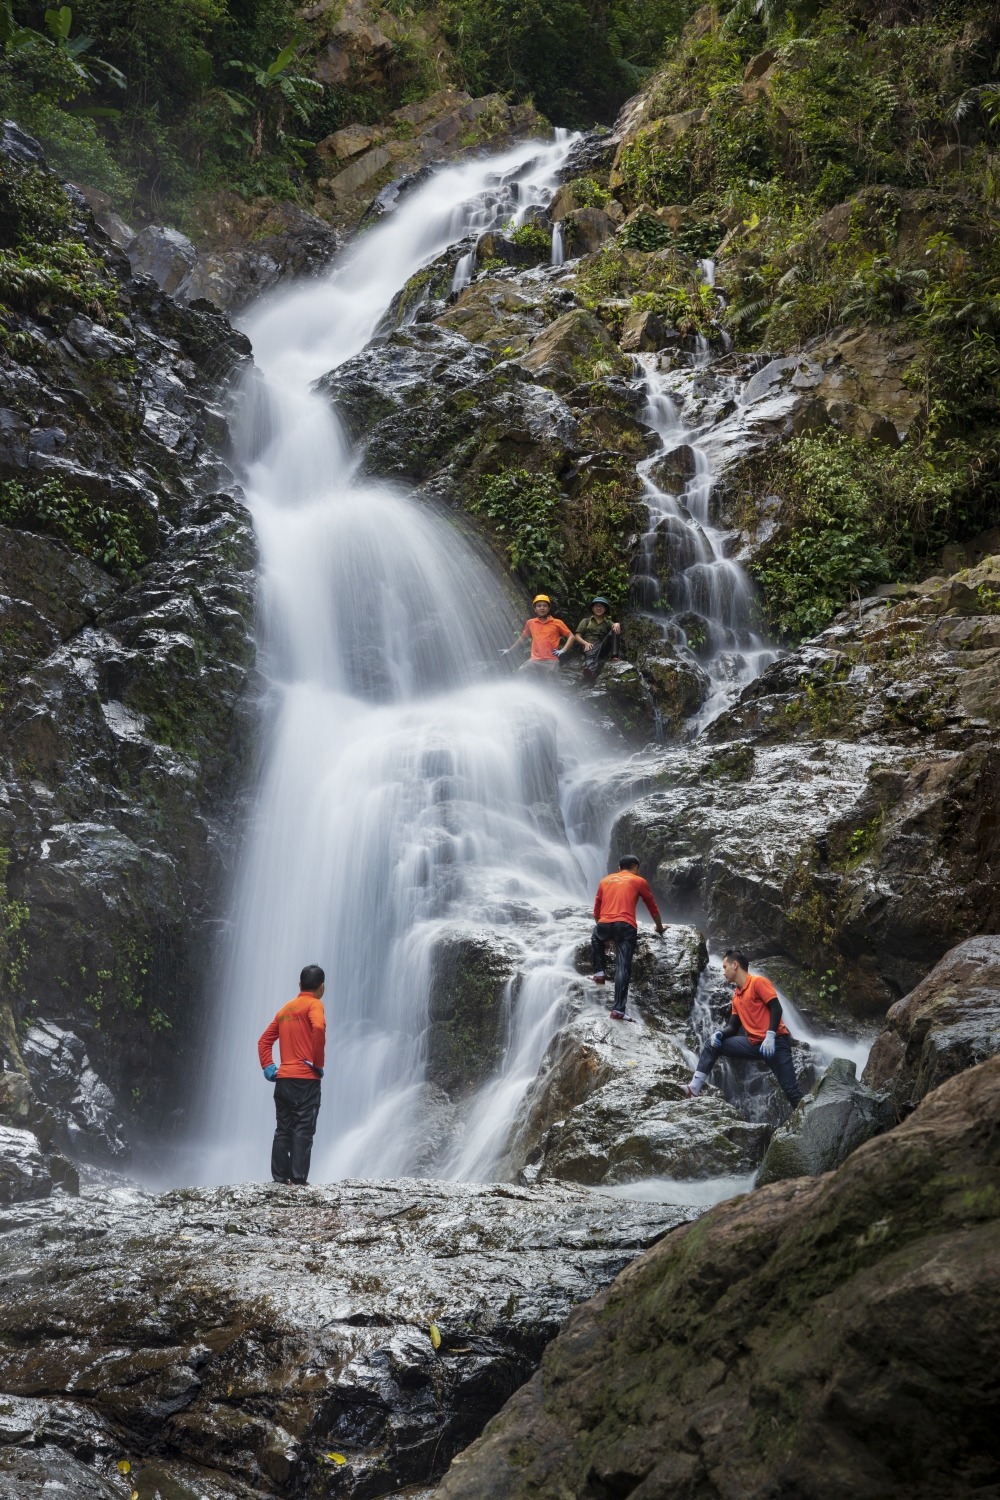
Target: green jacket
594,631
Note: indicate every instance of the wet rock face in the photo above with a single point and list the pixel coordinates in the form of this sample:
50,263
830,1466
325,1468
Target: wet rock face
832,1285
229,1340
838,1117
124,715
950,1022
469,1012
607,1105
88,1121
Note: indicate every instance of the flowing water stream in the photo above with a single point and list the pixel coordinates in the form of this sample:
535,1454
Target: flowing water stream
407,784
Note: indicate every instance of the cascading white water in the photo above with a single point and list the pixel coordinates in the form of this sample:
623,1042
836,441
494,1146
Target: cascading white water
408,783
711,598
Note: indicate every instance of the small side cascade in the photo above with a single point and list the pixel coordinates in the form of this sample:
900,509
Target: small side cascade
464,272
700,599
558,244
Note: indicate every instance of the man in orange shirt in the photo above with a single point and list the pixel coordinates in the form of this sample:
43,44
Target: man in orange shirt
756,1011
614,912
299,1028
545,634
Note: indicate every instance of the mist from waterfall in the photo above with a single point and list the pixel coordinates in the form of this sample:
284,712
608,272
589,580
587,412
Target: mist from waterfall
408,782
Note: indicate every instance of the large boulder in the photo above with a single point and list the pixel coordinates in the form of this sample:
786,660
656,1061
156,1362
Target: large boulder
471,995
89,1122
24,1174
835,1119
160,1330
566,354
817,1338
949,1022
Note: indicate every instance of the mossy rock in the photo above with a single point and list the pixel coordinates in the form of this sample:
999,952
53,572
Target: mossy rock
469,1013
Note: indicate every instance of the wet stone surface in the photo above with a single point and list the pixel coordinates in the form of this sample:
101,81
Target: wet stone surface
228,1340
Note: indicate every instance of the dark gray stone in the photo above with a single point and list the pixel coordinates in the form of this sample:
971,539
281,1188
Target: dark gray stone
835,1119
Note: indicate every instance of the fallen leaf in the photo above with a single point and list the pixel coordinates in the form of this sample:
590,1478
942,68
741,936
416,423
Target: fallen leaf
124,1467
336,1458
435,1336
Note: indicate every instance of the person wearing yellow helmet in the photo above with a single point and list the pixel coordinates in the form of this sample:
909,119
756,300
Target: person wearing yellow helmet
545,634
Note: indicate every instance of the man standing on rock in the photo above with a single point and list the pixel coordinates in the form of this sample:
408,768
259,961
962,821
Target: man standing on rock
299,1028
614,912
756,1010
545,634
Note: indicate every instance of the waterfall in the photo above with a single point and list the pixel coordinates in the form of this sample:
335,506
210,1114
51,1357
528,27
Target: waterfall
408,783
707,606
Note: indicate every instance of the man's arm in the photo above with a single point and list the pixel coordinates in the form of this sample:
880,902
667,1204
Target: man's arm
597,902
775,1008
266,1044
650,904
732,1026
317,1020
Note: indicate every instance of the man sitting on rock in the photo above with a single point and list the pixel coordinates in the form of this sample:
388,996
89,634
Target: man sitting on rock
598,634
545,634
614,912
756,1011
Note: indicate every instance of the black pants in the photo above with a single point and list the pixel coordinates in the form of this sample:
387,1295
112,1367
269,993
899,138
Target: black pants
624,938
296,1104
594,660
741,1048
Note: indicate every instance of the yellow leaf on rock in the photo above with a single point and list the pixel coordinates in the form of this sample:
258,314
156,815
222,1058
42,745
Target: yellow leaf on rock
435,1336
124,1467
336,1458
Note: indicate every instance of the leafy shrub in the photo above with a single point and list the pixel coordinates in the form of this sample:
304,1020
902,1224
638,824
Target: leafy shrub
109,537
39,262
856,514
531,237
524,510
645,233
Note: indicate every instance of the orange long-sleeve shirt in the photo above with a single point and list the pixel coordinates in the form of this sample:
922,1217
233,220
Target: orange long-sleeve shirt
299,1028
617,898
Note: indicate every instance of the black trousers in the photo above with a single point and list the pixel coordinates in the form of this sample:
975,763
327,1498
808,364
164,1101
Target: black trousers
296,1104
594,660
742,1049
624,938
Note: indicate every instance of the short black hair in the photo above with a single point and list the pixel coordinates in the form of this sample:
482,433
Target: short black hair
738,957
626,861
312,977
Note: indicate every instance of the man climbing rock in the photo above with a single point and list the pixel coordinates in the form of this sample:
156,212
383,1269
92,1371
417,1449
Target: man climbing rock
545,634
614,912
756,1011
598,634
299,1028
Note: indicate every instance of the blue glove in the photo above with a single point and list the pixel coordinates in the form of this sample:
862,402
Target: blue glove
271,1072
767,1045
717,1039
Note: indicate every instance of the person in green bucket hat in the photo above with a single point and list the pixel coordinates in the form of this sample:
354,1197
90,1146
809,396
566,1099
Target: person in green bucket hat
598,635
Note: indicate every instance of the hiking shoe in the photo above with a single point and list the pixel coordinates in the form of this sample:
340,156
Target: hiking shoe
617,1015
688,1091
597,978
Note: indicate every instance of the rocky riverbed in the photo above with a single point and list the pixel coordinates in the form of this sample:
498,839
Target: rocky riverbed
342,1340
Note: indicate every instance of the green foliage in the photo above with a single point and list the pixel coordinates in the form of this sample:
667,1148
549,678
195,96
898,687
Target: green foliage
40,264
108,536
577,62
588,193
855,515
524,511
645,233
531,237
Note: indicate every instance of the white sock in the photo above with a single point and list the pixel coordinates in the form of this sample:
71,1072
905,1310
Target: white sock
598,973
697,1081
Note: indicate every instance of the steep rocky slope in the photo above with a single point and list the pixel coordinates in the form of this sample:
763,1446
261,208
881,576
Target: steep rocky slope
821,1337
128,595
